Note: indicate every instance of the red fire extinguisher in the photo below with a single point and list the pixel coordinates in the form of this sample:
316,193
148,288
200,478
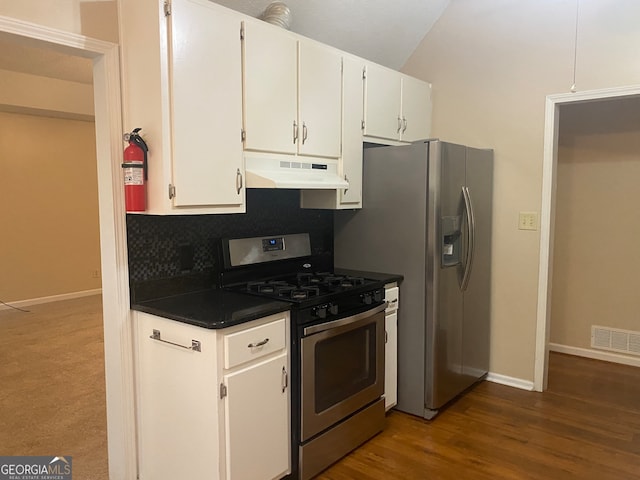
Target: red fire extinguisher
135,172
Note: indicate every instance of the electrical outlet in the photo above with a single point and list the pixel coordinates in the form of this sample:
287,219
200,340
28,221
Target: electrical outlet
528,221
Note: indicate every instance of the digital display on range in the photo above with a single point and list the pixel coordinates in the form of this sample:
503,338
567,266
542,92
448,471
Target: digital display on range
272,244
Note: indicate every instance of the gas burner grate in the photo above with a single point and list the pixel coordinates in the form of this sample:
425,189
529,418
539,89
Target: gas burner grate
302,293
272,286
304,279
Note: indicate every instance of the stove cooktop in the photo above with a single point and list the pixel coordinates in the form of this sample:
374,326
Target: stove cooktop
304,286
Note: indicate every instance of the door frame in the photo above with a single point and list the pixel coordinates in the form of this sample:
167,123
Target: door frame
547,215
118,332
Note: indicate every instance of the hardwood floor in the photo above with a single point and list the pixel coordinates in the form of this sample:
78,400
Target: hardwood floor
585,426
52,394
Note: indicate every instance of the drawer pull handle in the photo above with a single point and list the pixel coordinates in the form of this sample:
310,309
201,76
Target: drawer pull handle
195,344
259,344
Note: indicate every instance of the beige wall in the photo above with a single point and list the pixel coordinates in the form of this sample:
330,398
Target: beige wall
93,18
492,63
50,236
25,93
597,234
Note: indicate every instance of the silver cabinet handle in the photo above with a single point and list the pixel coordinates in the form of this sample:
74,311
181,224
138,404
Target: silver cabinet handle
259,344
304,132
404,124
295,131
285,379
399,124
346,180
238,181
195,344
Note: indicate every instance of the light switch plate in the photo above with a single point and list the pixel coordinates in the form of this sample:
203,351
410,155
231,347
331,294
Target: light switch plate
528,221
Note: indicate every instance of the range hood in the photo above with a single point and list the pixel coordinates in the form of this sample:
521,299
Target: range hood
277,171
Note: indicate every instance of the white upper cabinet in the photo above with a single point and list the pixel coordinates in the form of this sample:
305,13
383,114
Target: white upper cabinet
270,89
207,113
382,105
397,107
292,93
351,165
320,99
416,109
182,84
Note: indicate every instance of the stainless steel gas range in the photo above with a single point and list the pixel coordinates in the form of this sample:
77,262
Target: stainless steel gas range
337,351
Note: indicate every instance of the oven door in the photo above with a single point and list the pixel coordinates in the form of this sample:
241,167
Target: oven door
342,369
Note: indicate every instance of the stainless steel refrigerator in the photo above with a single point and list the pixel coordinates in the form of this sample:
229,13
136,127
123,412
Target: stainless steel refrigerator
427,215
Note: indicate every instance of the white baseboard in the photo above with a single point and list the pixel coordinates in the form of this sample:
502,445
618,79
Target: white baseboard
595,354
510,381
52,298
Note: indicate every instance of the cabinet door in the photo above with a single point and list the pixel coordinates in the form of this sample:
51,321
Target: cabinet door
257,421
382,103
206,99
177,401
353,88
391,360
319,96
416,109
269,88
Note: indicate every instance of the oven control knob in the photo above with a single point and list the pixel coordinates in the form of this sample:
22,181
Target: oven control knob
321,312
366,299
377,296
333,309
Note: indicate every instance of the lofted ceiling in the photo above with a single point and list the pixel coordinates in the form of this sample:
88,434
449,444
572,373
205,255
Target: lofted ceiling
383,31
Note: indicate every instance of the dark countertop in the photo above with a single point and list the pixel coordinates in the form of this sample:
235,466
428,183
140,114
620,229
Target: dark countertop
211,308
382,277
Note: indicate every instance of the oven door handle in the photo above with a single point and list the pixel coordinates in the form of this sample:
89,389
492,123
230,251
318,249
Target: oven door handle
343,321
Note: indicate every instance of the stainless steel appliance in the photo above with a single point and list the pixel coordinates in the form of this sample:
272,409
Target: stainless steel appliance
337,351
427,215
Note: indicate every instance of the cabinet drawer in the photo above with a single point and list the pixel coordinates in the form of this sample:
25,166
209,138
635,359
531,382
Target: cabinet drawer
253,343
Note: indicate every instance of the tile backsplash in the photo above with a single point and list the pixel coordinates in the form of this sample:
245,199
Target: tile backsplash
162,247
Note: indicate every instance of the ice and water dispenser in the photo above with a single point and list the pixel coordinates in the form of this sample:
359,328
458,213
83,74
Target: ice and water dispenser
451,236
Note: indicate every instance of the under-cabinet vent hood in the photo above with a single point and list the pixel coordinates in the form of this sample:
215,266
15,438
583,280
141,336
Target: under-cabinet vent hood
278,172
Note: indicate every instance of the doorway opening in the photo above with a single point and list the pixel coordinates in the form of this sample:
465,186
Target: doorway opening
118,346
553,118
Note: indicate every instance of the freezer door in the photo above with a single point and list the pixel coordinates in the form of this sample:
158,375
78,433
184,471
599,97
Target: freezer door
448,243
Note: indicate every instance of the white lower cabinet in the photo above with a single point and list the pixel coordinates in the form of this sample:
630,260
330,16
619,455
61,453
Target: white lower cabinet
391,295
203,416
257,420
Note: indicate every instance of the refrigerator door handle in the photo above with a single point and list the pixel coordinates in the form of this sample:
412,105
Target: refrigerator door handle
471,230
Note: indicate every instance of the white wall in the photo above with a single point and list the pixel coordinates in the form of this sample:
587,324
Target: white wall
25,93
492,63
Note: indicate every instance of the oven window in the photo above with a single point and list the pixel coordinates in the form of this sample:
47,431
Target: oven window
344,365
